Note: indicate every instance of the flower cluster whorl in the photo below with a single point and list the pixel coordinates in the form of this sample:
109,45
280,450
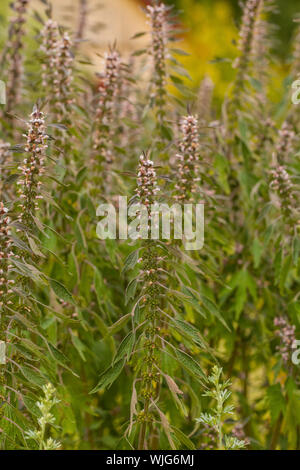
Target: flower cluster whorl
147,181
286,333
281,183
33,165
188,158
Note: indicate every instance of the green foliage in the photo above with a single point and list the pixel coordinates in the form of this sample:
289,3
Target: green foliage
110,343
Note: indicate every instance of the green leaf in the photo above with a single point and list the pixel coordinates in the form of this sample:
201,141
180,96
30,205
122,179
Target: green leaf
296,250
61,291
131,260
185,440
35,248
109,376
79,346
100,287
276,401
211,307
189,364
130,290
119,324
125,348
191,332
257,251
32,376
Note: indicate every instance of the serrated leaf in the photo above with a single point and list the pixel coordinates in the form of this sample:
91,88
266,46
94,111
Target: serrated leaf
189,364
131,260
185,440
61,291
125,348
109,376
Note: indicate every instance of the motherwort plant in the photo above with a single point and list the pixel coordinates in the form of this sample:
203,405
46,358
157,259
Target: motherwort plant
156,323
105,114
32,169
157,15
49,47
243,62
188,160
5,161
13,55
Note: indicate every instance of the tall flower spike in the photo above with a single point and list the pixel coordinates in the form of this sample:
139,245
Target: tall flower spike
108,92
13,56
157,19
150,274
49,46
246,35
188,160
33,167
242,63
286,333
5,158
63,78
5,255
262,40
